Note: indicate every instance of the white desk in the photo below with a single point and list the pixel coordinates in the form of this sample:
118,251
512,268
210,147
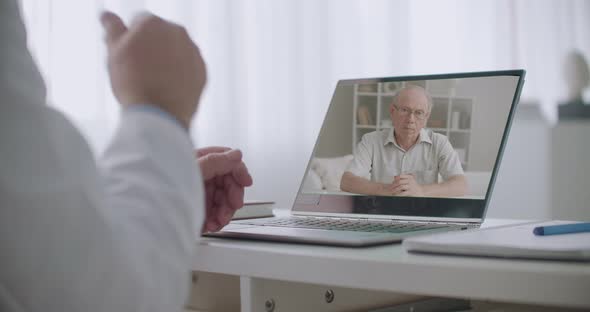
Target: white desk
388,271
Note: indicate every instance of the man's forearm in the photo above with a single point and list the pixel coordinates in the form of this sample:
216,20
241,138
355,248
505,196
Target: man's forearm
455,186
354,184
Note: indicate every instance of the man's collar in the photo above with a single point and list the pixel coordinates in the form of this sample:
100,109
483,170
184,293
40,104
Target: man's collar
390,138
424,137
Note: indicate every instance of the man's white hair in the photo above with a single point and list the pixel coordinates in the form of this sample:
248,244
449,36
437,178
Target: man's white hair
413,87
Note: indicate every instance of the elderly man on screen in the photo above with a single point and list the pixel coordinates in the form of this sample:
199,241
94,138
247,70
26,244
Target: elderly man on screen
407,159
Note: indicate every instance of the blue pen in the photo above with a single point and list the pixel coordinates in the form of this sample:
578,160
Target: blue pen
562,229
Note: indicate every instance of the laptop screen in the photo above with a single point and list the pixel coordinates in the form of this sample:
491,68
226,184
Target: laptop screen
416,146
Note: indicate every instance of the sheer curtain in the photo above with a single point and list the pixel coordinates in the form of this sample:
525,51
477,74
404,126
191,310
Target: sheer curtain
273,65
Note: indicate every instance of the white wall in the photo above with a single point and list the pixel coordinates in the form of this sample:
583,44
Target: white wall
522,185
570,170
545,173
493,98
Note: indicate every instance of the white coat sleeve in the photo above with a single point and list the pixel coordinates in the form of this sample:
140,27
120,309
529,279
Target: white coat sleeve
155,204
72,239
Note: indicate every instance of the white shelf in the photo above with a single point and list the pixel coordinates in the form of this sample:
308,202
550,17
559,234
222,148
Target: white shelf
460,130
361,93
366,127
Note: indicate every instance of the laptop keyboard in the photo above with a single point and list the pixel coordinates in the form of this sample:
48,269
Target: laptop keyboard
322,223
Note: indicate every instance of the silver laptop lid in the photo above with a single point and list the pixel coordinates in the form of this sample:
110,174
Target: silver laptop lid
458,125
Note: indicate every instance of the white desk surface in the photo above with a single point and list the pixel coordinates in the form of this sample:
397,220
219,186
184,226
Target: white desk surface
391,268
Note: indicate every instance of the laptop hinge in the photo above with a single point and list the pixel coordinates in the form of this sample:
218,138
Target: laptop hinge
446,222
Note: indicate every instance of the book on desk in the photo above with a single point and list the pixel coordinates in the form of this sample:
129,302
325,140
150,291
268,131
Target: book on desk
254,209
509,241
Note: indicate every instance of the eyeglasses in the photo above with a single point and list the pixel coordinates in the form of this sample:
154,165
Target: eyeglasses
419,114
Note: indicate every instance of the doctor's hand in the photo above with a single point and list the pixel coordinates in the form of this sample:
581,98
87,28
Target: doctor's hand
225,176
154,62
406,185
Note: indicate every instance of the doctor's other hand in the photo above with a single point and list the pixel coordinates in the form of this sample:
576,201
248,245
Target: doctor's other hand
225,177
154,62
406,185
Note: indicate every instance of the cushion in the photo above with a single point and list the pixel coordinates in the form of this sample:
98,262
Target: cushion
312,181
330,170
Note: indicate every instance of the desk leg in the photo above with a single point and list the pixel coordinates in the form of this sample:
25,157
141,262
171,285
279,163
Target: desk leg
212,292
250,295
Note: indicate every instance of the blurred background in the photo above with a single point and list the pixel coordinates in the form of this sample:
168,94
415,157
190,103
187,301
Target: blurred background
273,66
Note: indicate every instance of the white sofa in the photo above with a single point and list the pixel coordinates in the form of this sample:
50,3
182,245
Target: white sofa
325,173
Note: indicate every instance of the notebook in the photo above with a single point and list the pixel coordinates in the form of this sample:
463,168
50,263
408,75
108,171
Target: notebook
397,157
509,241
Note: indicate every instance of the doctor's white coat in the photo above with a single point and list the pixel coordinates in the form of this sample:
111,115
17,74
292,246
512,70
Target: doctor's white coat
78,235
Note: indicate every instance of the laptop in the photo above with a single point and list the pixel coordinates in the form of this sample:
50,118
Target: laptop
443,182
